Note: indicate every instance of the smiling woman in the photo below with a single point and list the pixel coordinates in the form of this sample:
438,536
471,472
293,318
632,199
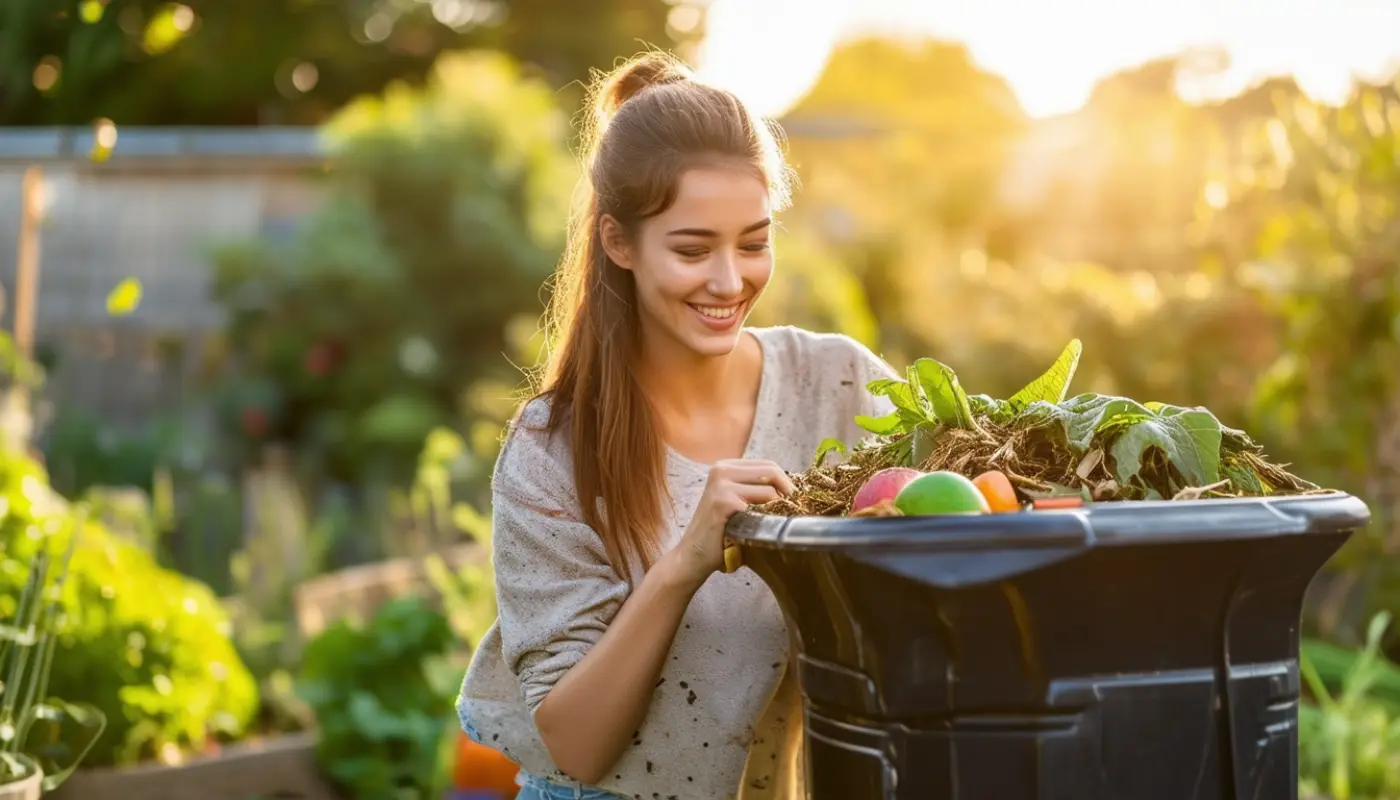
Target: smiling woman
624,662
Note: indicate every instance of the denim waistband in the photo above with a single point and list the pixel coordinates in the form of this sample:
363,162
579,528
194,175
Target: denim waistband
546,789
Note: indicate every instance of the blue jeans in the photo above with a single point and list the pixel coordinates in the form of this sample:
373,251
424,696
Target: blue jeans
534,787
537,788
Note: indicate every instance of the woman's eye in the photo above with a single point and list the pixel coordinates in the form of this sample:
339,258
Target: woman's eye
690,252
756,247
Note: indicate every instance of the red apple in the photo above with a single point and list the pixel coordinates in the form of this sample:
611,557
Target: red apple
883,486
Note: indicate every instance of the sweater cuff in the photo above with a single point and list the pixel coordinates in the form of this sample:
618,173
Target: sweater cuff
538,678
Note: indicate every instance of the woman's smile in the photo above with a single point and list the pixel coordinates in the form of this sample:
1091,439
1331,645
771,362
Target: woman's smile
719,318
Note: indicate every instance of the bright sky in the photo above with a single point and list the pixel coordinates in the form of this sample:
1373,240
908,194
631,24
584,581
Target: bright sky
770,51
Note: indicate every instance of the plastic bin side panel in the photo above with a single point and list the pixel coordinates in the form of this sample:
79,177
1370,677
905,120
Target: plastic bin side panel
1261,651
931,651
846,762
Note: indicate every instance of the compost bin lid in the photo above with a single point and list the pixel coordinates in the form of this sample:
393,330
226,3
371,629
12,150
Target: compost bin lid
1114,523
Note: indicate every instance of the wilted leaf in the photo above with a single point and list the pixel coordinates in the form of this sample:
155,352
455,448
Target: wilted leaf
1243,479
1084,415
1190,438
996,409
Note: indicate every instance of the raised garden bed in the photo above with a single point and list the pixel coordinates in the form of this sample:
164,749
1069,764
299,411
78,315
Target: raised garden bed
356,592
281,767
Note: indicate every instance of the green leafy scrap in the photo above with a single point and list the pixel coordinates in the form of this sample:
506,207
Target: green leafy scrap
1150,449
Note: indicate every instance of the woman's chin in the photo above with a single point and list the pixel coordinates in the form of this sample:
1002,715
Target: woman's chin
711,344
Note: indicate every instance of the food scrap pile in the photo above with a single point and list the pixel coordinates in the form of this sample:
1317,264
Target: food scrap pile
1039,441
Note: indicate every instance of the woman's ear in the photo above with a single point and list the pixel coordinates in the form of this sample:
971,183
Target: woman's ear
615,242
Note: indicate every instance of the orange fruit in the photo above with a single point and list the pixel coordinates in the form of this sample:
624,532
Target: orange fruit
996,487
477,766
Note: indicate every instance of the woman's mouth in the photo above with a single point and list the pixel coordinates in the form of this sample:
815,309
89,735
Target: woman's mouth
719,317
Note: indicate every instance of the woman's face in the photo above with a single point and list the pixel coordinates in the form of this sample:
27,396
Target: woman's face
700,265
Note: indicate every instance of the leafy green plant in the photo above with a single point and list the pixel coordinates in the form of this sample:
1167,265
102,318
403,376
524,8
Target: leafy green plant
469,594
379,693
55,734
146,646
1349,743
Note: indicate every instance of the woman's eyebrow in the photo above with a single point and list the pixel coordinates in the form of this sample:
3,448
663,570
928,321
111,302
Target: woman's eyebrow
763,223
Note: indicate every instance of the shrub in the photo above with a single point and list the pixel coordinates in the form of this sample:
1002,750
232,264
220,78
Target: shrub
382,694
145,645
361,333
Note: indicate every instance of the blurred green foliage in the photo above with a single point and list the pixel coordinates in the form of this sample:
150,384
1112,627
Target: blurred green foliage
365,332
1314,211
37,730
82,451
158,62
145,645
1349,735
380,692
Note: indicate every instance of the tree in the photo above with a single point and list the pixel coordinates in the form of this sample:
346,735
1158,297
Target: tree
917,174
939,116
207,62
1315,227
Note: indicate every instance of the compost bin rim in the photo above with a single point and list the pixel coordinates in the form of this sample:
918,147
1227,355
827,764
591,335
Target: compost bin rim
1117,523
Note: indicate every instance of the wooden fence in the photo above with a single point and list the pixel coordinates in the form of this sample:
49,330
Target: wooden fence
150,212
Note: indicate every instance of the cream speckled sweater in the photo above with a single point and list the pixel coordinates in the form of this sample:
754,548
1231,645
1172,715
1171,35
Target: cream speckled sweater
557,592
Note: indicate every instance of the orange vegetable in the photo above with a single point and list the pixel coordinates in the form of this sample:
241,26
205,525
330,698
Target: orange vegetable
996,487
480,767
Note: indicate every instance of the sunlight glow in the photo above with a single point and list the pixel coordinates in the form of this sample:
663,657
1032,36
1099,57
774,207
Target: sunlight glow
771,51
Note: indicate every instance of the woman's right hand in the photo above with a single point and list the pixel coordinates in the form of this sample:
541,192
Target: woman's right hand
733,485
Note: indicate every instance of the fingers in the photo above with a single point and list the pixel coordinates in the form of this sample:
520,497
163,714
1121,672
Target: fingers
756,494
784,484
755,472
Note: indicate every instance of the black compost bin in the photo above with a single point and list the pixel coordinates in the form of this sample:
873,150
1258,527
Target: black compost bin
1127,651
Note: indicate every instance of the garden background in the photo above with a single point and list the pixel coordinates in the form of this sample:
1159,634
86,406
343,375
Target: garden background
277,265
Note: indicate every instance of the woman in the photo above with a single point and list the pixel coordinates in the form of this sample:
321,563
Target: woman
623,661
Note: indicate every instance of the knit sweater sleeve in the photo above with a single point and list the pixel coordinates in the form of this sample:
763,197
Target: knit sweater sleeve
556,591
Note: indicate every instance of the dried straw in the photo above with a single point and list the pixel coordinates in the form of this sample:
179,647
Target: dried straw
1037,466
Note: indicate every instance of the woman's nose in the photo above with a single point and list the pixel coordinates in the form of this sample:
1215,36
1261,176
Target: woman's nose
725,280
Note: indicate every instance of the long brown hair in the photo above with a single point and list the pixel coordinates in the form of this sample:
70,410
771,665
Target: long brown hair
650,121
